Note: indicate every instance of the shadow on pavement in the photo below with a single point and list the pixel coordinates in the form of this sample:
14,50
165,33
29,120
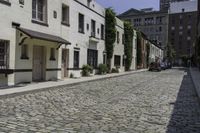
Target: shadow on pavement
185,117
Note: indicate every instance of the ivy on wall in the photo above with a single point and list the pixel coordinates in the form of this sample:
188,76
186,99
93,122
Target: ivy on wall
110,34
128,44
148,53
139,48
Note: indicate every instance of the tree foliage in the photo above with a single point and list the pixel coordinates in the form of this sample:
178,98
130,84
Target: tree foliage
139,48
128,44
170,52
110,31
148,53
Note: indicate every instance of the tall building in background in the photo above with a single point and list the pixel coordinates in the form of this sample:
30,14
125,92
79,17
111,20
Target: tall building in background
152,23
165,4
182,28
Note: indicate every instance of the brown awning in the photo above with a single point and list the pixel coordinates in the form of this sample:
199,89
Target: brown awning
43,36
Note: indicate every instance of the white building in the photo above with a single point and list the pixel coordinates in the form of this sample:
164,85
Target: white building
118,52
155,53
43,40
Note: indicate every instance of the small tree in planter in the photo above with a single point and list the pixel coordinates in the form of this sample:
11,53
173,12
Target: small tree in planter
103,69
87,70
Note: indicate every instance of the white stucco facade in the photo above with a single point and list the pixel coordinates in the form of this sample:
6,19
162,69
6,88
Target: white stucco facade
155,53
17,14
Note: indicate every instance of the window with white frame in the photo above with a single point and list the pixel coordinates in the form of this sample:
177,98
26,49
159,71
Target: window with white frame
65,14
24,51
76,59
39,10
81,23
53,54
4,54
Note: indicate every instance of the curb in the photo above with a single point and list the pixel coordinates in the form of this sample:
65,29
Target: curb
9,95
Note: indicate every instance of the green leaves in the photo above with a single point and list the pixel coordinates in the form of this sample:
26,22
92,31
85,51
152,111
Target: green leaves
110,33
128,45
139,48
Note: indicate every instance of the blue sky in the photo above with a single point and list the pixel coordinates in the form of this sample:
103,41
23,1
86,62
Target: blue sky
122,5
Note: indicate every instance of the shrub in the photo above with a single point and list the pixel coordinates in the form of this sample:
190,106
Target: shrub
114,70
86,70
71,75
103,69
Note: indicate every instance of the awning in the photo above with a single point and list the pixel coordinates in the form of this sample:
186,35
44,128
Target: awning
43,36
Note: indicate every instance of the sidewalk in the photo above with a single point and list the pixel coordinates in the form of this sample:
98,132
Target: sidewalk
195,74
50,84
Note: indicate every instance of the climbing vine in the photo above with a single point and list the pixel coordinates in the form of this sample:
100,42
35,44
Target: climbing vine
139,48
128,45
110,34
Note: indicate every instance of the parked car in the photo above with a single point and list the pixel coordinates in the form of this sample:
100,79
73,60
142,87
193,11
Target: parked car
163,66
154,66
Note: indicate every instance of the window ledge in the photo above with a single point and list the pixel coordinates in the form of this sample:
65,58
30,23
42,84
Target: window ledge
5,2
82,32
24,58
65,24
52,59
40,23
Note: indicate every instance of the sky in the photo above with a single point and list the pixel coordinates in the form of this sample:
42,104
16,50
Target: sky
123,5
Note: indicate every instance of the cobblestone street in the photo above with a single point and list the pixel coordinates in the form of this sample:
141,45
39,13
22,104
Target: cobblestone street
146,102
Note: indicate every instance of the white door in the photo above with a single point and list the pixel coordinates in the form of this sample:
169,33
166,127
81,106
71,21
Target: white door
38,63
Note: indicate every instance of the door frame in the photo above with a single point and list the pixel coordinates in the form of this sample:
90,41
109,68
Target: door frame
43,59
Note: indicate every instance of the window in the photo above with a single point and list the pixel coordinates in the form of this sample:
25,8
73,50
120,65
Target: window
159,20
5,2
92,58
118,37
104,58
39,10
188,38
102,32
52,54
124,60
117,60
81,23
160,29
88,26
4,54
88,3
54,14
76,59
93,28
24,51
123,39
65,14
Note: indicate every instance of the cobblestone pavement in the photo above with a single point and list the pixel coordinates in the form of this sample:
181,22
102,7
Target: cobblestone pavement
147,102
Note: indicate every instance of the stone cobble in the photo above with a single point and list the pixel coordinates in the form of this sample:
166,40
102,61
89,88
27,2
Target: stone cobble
147,102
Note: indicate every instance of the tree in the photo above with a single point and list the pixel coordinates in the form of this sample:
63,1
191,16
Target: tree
128,45
148,52
170,52
139,48
110,34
